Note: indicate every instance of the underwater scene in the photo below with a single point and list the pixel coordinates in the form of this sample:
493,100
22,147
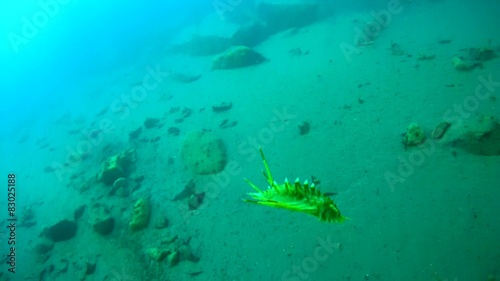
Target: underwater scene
243,140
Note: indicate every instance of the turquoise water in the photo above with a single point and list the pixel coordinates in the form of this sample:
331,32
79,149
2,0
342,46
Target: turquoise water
128,130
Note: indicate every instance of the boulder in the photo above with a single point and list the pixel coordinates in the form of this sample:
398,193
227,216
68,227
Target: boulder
116,167
204,153
478,135
237,57
202,45
281,15
61,231
251,34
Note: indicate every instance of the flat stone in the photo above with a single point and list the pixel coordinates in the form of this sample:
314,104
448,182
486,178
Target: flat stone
204,153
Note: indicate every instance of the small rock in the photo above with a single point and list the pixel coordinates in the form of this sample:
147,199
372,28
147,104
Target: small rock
426,57
227,124
173,258
78,213
120,187
188,189
186,253
90,267
157,254
304,128
42,251
161,222
135,133
396,49
222,107
186,112
174,131
105,226
120,182
43,248
151,123
295,52
174,109
440,130
195,200
183,78
414,135
139,179
170,239
444,41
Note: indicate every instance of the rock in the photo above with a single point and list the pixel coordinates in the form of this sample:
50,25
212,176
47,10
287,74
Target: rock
183,78
140,215
174,131
120,187
440,130
161,222
27,218
462,64
396,49
111,172
237,57
478,135
90,267
120,182
116,167
203,153
195,200
186,112
173,258
414,135
251,34
43,248
78,213
87,184
202,45
227,124
61,267
426,57
224,106
42,251
157,254
272,17
482,54
61,231
104,226
150,123
282,15
304,128
186,253
471,58
169,239
188,189
135,133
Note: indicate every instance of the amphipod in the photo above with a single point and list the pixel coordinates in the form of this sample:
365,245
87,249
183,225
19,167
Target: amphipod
295,196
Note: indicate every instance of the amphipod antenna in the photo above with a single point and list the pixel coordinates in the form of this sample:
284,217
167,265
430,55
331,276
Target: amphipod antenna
267,172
